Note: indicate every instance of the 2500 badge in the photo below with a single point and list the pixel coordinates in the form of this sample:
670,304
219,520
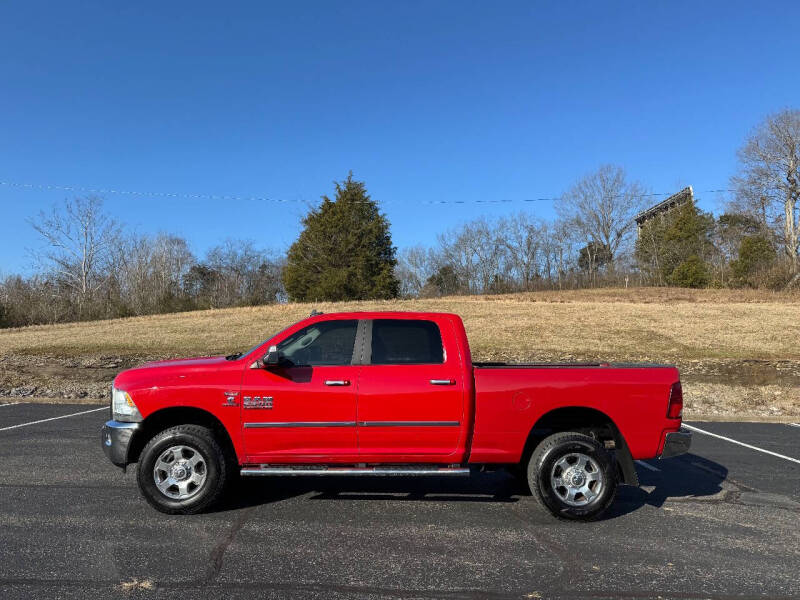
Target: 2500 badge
257,401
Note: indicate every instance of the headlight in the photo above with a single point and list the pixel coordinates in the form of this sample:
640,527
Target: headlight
122,407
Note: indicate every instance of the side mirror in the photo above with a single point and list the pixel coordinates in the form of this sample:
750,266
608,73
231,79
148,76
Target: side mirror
272,357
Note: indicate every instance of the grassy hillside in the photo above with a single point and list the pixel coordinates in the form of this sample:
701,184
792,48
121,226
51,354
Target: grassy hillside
744,341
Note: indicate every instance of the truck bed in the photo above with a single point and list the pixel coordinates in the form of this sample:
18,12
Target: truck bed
566,365
510,399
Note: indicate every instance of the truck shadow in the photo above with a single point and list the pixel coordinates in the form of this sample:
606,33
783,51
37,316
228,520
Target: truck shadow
682,478
494,486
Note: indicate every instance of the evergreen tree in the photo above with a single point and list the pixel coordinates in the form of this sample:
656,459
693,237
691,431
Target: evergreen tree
756,256
344,252
673,249
692,272
444,282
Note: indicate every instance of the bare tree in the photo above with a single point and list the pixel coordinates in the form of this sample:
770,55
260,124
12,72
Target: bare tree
481,236
651,246
149,271
456,251
415,265
522,239
768,182
559,246
512,253
78,239
245,275
475,253
601,206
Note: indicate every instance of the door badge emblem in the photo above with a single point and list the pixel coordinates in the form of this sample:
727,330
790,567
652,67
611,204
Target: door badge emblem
257,402
230,399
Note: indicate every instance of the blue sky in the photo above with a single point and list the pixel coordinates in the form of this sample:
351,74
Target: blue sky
425,101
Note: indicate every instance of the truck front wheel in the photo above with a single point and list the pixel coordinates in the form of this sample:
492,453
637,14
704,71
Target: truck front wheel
573,476
183,470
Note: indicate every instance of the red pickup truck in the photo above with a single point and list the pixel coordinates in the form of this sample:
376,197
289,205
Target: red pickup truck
389,393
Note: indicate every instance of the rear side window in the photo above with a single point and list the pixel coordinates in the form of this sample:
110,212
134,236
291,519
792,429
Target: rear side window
321,344
406,342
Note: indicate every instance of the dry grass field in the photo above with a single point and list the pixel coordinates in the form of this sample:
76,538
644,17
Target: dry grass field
737,350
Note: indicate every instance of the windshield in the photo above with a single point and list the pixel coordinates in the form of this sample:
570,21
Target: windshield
261,343
251,350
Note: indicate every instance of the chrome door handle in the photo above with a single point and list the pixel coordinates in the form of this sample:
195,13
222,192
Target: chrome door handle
337,382
443,381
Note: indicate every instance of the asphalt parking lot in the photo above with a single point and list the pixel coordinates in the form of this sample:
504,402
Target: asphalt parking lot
721,522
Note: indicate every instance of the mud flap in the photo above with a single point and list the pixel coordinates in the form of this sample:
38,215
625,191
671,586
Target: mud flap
624,459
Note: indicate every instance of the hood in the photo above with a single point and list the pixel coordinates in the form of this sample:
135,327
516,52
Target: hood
203,361
167,372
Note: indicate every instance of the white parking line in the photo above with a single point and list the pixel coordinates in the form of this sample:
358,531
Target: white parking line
727,439
9,404
85,412
646,466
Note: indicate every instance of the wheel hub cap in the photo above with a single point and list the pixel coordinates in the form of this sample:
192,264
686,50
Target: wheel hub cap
576,479
180,472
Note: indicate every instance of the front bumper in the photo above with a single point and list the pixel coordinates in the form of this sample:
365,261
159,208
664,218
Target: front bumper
676,443
116,438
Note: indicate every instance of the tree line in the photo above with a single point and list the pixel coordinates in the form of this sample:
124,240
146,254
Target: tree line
685,248
594,239
90,266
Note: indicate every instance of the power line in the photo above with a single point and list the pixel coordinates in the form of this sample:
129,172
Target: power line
234,198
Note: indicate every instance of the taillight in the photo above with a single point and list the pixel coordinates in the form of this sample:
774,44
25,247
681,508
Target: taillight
675,407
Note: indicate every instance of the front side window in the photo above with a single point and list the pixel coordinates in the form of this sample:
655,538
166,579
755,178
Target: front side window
406,342
321,344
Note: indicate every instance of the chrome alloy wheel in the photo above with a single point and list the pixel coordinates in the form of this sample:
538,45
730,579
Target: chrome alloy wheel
180,472
576,479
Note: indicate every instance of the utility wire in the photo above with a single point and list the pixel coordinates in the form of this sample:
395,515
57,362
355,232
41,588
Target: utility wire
229,198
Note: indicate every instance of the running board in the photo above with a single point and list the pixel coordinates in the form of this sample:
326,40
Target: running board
349,471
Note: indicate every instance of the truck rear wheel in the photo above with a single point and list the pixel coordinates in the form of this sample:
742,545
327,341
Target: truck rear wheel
183,470
573,476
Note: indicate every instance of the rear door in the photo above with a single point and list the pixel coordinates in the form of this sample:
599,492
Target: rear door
305,408
410,397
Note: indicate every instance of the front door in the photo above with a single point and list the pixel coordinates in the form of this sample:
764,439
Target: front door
304,408
410,395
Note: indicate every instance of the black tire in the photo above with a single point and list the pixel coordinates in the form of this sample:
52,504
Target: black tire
569,446
216,469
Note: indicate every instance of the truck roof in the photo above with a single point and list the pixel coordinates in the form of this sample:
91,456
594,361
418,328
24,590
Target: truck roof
382,314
